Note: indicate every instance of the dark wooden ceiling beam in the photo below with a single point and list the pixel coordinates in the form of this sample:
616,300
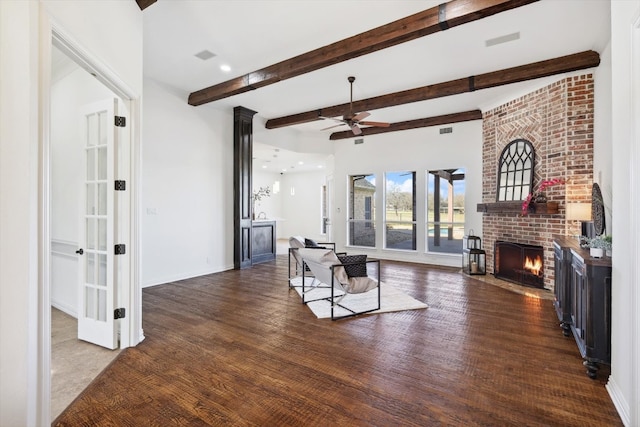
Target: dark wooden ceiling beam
563,64
412,124
143,4
435,19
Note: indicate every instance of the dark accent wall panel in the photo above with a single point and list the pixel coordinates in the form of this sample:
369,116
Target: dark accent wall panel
242,179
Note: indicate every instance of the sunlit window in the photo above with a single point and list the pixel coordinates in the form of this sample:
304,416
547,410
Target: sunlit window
445,210
400,212
361,222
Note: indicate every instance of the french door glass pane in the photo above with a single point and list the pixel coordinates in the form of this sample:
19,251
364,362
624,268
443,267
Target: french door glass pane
102,273
102,199
91,233
102,305
102,163
102,131
90,268
91,164
102,234
92,130
91,199
90,302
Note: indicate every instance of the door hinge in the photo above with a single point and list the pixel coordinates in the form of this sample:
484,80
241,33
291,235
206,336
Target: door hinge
120,249
121,185
119,313
120,121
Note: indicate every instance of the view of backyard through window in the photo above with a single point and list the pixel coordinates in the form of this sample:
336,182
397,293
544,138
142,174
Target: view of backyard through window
362,226
445,210
400,212
444,201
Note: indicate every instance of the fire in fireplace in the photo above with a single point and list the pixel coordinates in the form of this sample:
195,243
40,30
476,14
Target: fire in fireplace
519,263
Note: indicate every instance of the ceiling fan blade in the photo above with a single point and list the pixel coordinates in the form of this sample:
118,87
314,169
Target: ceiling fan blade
334,126
331,118
360,116
377,124
355,129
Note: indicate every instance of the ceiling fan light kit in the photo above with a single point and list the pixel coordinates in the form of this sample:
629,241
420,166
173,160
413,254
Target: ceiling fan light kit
354,121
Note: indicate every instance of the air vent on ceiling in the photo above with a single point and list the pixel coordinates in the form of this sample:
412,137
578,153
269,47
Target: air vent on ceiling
205,54
358,141
446,130
502,39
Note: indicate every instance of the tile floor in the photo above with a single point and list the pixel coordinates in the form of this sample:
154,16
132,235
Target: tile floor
74,363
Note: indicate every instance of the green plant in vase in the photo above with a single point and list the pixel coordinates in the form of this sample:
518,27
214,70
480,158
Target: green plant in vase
599,245
258,195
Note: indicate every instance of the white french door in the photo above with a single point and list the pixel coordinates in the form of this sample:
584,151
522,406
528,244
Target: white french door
97,297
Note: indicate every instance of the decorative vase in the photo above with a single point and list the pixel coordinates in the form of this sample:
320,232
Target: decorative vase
596,252
540,198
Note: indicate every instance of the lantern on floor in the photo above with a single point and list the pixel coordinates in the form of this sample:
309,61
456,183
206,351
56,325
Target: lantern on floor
473,257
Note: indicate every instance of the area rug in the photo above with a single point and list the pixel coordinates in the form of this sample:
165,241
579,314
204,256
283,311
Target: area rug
391,299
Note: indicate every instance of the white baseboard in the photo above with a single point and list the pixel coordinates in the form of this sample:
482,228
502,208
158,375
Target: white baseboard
184,276
71,311
622,406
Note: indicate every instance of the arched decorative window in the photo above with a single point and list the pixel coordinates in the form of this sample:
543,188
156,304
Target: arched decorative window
515,172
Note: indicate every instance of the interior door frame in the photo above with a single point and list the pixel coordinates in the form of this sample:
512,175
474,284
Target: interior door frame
131,332
329,182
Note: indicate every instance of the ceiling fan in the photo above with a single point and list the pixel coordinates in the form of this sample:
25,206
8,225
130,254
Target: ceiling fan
354,120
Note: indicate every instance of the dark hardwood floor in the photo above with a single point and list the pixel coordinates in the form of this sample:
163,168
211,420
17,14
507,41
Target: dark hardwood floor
238,348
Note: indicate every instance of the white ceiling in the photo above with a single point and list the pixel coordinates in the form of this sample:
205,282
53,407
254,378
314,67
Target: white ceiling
252,34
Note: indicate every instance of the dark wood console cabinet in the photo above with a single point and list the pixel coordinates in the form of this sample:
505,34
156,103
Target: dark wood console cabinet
562,288
585,295
263,245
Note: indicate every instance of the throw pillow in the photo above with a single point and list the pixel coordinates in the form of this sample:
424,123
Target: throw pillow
309,243
354,265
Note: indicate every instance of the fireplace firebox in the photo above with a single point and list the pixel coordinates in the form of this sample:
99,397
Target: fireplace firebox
519,263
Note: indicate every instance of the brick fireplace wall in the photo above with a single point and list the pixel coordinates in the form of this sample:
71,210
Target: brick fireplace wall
558,121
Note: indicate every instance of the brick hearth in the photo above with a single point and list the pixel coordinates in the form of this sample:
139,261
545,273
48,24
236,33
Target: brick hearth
558,121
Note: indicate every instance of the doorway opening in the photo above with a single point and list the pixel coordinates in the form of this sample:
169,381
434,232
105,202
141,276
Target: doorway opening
75,188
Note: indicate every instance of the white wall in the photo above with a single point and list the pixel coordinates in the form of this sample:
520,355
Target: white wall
302,209
19,362
68,95
271,206
414,150
187,188
24,41
602,153
624,383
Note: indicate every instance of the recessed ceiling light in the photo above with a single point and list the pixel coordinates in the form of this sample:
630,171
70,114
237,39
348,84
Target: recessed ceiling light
205,54
225,68
264,166
301,162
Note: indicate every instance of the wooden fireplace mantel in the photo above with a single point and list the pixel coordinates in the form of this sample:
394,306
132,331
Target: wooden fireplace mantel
550,208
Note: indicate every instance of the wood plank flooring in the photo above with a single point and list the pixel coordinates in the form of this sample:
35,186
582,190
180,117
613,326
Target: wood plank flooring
238,348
